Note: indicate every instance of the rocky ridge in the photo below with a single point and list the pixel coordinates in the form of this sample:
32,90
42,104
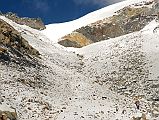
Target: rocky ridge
13,47
127,20
35,23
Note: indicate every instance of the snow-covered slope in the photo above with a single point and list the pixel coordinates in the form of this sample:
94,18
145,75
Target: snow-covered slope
101,81
56,31
63,88
133,57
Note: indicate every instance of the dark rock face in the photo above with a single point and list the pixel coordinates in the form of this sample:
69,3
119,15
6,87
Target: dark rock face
127,20
14,48
35,23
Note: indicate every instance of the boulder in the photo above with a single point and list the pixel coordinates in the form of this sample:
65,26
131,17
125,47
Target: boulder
7,113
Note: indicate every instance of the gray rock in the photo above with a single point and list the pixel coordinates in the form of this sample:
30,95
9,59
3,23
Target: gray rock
35,23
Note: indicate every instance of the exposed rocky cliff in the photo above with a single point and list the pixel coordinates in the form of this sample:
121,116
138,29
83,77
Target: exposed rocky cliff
127,20
75,39
13,47
35,23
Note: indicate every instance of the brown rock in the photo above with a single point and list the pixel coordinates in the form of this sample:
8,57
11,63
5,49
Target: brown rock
4,117
12,42
75,39
3,50
7,113
143,117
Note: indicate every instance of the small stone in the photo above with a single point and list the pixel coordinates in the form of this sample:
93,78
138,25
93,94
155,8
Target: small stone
75,113
63,107
82,116
103,98
4,117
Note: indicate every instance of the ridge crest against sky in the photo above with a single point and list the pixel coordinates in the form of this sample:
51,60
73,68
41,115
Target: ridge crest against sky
97,2
53,11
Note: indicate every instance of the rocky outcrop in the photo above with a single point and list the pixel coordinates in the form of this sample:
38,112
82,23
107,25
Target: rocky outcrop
75,39
35,23
127,20
14,48
7,113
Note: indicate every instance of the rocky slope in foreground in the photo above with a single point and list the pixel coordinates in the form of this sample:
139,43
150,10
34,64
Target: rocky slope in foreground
14,51
111,76
13,47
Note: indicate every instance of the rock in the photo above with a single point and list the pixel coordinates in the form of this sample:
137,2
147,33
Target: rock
136,118
35,23
74,39
69,43
11,38
7,113
12,45
127,20
143,117
3,50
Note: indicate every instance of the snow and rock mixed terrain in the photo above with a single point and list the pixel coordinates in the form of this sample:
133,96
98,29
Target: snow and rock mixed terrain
56,31
127,20
101,81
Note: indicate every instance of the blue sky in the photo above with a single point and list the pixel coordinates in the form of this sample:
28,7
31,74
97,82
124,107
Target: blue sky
53,11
